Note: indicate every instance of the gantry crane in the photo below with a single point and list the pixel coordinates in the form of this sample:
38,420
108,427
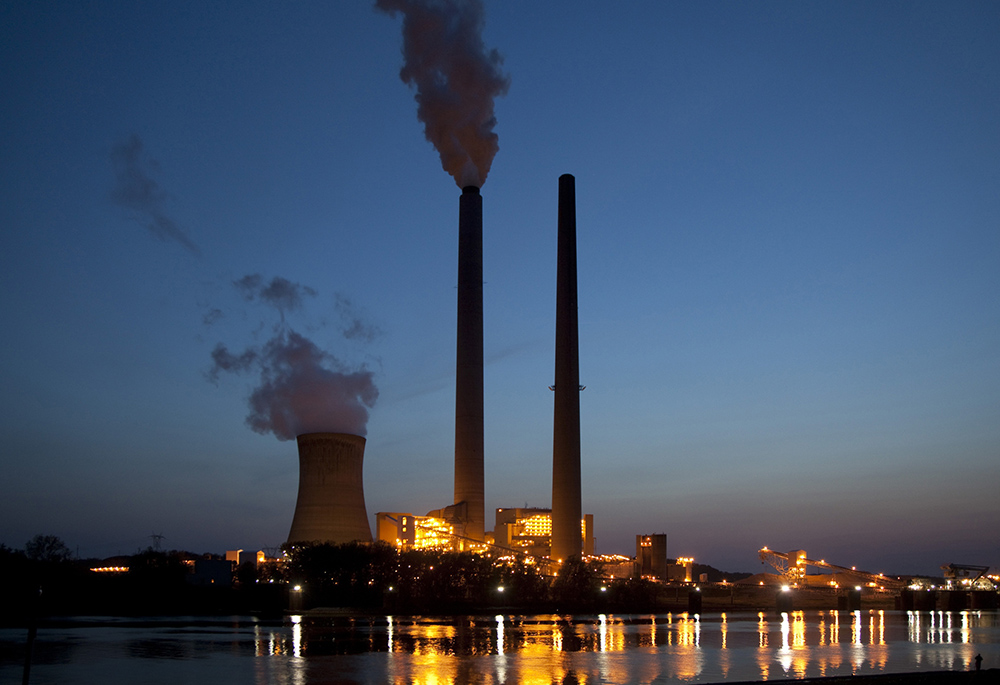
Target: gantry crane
962,576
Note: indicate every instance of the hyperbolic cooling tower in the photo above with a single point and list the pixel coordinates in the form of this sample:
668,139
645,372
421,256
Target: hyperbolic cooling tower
567,508
469,364
331,502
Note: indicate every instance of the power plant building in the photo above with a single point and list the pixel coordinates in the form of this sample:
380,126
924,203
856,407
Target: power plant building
681,570
407,531
529,530
651,556
525,530
331,506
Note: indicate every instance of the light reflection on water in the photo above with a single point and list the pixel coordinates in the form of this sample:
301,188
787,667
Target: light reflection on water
606,648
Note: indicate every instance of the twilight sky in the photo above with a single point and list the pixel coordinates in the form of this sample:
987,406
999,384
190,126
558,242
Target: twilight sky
789,255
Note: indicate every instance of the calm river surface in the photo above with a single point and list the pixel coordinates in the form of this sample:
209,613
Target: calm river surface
661,648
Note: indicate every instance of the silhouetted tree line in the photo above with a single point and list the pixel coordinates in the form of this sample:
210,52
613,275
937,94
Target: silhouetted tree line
426,581
36,578
44,579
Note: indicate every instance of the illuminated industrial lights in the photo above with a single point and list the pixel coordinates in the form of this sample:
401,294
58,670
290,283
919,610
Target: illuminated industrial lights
432,533
538,525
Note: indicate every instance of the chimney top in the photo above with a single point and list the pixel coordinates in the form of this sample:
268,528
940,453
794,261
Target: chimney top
473,190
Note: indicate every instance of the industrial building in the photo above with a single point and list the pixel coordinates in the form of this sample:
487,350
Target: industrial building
651,556
523,530
407,531
529,530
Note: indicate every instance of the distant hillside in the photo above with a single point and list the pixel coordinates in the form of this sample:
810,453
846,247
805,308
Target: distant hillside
717,576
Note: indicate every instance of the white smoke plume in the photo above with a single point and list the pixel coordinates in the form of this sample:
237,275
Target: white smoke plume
300,387
456,79
137,190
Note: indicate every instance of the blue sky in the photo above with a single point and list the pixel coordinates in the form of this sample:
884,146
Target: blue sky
788,252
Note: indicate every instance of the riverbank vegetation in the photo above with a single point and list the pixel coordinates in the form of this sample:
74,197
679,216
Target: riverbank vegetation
45,580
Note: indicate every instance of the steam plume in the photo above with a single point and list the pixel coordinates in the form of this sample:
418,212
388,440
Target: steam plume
280,293
138,191
355,327
456,80
301,388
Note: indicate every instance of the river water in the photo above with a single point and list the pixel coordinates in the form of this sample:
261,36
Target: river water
660,648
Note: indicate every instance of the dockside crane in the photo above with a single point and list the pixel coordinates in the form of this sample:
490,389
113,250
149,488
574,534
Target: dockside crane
961,575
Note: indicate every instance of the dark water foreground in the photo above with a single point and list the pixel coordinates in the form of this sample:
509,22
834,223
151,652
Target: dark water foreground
915,678
937,647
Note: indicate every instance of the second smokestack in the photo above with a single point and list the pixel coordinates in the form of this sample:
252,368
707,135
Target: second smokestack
567,508
469,365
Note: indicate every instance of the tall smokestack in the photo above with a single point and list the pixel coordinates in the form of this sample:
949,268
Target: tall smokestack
331,501
469,364
567,508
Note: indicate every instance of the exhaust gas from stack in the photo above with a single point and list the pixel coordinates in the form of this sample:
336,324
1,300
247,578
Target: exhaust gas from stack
456,80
